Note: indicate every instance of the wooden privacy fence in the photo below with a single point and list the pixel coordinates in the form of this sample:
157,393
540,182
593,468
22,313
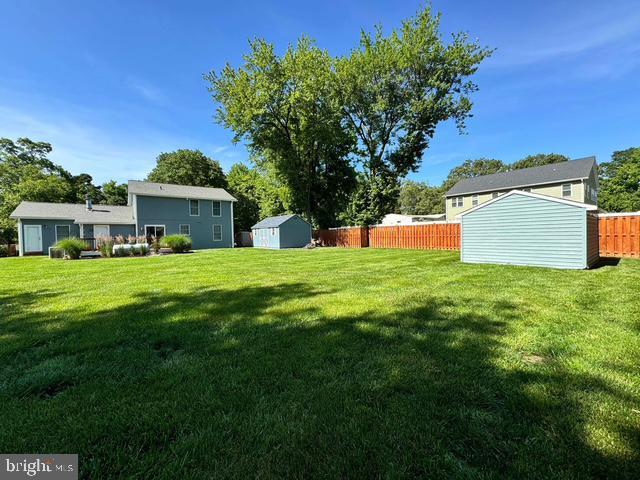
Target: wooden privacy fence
434,236
619,234
351,237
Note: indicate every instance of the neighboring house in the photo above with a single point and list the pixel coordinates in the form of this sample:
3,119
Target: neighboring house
524,228
284,231
153,210
575,180
399,219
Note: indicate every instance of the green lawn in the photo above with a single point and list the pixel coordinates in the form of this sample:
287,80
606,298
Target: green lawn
328,362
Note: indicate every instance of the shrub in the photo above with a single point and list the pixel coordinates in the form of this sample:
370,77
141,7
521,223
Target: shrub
4,251
177,243
72,246
105,246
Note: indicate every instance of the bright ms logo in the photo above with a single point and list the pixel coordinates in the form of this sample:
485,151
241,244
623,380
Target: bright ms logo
39,466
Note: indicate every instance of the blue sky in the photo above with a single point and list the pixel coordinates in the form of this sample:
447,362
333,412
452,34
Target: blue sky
112,84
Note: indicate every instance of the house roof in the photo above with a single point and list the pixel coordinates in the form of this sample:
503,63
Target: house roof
557,172
274,222
178,191
77,212
586,206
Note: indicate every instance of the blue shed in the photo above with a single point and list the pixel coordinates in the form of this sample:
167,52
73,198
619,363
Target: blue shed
524,228
283,231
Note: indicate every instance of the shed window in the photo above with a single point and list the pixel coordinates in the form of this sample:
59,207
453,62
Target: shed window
217,208
185,229
62,232
273,232
457,201
474,200
217,233
566,190
194,208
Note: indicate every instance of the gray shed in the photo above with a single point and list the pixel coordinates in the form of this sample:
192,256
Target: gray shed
283,231
524,228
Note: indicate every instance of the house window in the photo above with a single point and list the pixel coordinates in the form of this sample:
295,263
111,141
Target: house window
526,189
217,208
566,190
217,233
154,231
474,200
194,208
457,201
185,229
62,232
495,195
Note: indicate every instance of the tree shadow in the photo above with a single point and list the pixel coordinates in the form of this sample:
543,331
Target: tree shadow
262,381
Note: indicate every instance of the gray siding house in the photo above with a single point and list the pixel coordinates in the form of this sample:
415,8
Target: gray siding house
524,228
284,231
154,209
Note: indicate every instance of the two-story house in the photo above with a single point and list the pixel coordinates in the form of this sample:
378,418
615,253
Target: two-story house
153,210
575,180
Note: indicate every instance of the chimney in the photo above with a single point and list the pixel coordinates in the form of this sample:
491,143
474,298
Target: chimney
89,204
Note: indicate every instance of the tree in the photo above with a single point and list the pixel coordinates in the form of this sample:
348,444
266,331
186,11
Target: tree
473,168
27,174
286,109
394,91
188,167
244,184
418,198
114,193
620,182
538,160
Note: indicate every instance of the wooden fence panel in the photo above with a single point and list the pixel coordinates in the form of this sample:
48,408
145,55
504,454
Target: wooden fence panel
435,236
350,237
619,235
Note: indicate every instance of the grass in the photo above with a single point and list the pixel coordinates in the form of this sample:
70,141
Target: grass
321,363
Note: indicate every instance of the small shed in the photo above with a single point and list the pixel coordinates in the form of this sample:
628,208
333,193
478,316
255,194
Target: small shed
524,228
283,231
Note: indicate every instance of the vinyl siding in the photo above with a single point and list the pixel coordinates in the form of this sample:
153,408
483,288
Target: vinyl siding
522,230
295,233
49,230
172,212
553,190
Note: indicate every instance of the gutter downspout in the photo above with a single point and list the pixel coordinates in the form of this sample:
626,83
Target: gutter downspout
20,242
233,242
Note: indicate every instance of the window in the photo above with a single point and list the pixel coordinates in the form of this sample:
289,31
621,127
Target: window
273,232
526,189
194,208
62,232
185,229
474,200
566,190
217,208
457,201
495,195
217,233
154,231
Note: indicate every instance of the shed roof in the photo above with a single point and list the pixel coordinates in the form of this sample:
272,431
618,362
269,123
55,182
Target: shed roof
586,206
274,222
99,214
556,172
178,191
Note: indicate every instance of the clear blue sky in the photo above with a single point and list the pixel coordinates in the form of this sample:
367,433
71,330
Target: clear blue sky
112,84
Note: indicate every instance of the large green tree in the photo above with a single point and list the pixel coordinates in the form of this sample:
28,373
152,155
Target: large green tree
394,91
620,182
188,167
26,173
286,109
418,198
538,160
114,193
244,184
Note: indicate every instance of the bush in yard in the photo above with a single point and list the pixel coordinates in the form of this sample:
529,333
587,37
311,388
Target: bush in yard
72,246
4,251
177,243
105,246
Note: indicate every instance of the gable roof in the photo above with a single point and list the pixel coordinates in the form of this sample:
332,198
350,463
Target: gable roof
77,212
556,172
274,222
586,206
178,191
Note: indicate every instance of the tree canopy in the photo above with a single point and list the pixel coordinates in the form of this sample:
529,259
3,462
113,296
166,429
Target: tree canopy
114,193
620,182
188,167
418,198
538,160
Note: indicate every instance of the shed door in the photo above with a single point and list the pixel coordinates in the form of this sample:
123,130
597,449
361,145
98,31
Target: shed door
32,238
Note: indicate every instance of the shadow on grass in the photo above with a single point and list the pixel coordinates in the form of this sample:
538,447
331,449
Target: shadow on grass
261,382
